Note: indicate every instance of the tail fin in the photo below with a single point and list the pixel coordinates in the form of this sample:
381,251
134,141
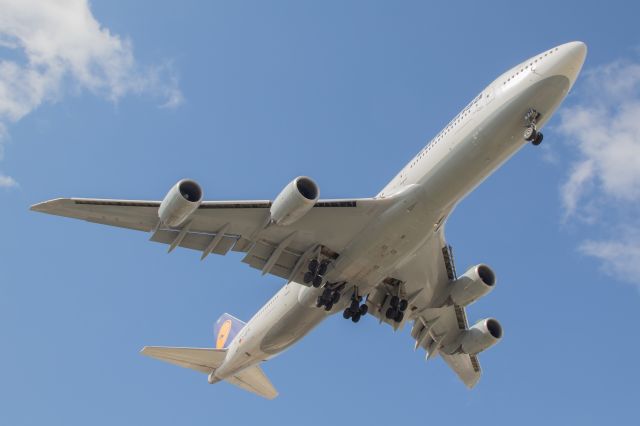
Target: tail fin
226,328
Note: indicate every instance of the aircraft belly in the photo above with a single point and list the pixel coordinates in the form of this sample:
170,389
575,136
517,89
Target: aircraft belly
295,323
397,233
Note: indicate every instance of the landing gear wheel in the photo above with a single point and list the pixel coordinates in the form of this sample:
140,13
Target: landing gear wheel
355,317
347,313
319,302
308,277
538,139
322,269
335,298
391,313
530,133
313,266
403,305
364,309
399,316
328,306
317,281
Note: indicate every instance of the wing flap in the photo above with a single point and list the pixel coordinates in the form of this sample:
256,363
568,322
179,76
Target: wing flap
195,240
466,367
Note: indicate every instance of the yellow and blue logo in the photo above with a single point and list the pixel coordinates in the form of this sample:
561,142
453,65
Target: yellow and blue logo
223,334
226,329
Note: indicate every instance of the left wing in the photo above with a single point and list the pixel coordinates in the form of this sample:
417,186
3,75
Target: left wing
220,226
437,327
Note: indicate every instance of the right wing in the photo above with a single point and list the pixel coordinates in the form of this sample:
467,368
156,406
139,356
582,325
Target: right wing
436,328
220,226
466,367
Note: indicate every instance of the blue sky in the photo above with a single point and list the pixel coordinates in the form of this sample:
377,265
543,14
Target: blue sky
121,99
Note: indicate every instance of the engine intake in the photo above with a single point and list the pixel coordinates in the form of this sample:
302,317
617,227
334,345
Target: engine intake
475,283
481,336
180,203
295,200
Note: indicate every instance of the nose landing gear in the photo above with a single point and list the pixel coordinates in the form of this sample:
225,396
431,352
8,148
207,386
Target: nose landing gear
531,134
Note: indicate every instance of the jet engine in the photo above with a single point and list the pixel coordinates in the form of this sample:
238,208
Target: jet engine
295,200
181,201
475,283
481,336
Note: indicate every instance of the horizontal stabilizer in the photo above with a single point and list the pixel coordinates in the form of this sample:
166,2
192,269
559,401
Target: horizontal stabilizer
207,360
254,380
200,359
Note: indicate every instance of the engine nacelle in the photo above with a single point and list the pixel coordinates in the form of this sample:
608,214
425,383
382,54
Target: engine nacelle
181,201
475,283
481,336
295,200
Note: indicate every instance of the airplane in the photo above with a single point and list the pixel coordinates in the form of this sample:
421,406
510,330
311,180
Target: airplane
384,256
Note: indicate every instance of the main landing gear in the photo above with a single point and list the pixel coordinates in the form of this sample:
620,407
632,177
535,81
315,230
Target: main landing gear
531,134
315,274
396,309
328,298
356,309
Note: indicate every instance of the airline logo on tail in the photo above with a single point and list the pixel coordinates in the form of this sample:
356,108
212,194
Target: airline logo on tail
223,334
226,329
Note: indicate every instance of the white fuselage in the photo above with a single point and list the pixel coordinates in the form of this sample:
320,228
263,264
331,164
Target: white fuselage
474,144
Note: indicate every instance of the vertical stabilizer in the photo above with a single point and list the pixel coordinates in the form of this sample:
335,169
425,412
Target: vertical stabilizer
226,328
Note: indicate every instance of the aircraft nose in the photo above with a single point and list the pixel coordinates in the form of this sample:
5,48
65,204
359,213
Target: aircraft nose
569,60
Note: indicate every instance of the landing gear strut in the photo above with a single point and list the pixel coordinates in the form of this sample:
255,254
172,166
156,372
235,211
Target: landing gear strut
531,134
356,309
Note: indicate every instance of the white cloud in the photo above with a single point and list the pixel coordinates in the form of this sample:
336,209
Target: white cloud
620,258
603,187
7,181
58,46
